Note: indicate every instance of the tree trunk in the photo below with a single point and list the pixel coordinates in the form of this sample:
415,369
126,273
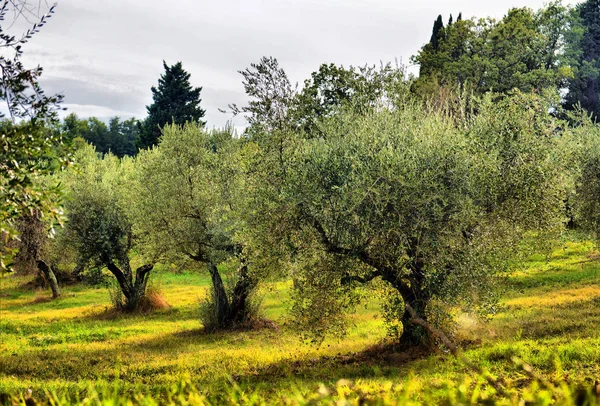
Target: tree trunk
220,296
124,280
413,334
50,277
238,311
141,281
133,291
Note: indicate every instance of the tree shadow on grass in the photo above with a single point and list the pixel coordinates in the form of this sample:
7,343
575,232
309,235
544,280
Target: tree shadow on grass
180,352
109,313
380,360
253,326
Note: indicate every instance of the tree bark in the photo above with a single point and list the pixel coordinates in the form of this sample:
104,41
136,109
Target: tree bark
141,277
220,296
125,282
414,334
50,277
415,298
238,310
141,281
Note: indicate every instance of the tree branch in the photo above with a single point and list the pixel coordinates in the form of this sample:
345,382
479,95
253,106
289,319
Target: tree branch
141,272
347,279
330,246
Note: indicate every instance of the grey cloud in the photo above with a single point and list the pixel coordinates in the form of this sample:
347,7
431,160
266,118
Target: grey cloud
108,53
85,93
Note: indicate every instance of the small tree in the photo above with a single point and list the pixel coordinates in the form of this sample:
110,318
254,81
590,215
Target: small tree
404,196
98,224
333,89
187,203
271,94
175,101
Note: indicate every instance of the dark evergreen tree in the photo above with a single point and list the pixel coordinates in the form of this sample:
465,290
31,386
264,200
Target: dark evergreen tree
174,101
584,88
433,45
438,32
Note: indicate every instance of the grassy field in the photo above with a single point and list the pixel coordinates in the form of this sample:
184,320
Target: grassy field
550,319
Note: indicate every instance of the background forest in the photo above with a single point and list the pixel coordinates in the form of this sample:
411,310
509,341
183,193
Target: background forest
371,236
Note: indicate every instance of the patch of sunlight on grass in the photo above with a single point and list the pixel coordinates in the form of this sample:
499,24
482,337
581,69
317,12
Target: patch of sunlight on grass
556,297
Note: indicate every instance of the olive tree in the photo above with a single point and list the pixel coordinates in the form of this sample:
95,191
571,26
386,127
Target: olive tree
434,210
187,199
99,226
585,200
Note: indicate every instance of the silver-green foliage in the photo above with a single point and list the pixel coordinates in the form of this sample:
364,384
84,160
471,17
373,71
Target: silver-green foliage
187,203
435,209
585,200
100,225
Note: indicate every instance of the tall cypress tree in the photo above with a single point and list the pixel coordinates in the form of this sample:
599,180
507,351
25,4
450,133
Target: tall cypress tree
584,88
438,32
431,48
174,101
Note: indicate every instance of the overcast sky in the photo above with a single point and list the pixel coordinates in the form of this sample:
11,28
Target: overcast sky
104,55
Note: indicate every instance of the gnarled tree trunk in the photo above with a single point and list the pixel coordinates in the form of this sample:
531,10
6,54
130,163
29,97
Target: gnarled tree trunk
221,301
414,334
50,277
133,290
239,306
414,296
234,310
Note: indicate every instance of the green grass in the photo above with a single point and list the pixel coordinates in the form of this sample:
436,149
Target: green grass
550,319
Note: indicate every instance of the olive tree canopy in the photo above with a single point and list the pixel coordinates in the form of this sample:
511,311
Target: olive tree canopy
186,199
434,209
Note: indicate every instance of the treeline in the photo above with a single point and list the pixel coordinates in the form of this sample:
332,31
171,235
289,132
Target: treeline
118,137
367,187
